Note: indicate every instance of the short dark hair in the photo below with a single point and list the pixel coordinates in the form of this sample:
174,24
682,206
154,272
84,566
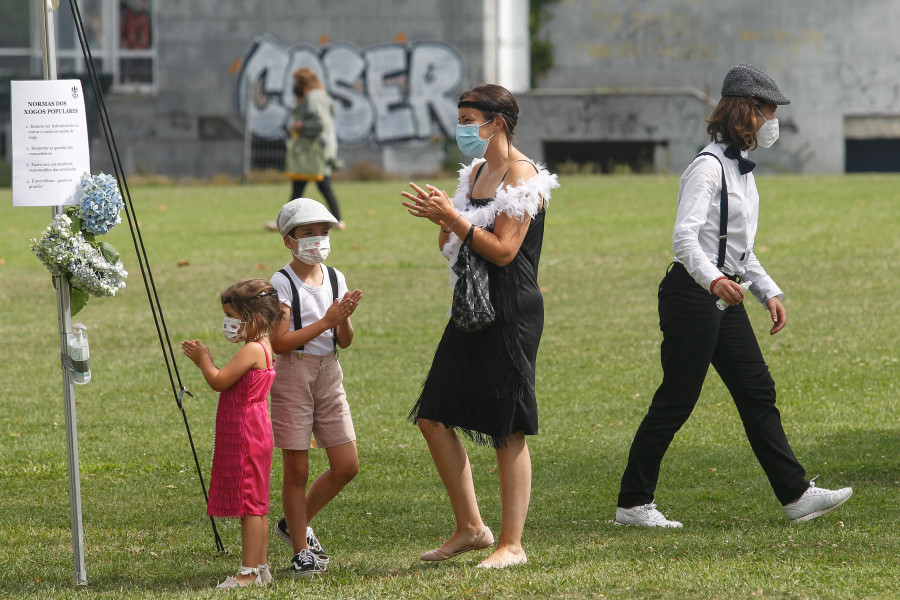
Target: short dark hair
732,122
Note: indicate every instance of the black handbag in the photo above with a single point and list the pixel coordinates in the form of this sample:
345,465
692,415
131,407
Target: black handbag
472,309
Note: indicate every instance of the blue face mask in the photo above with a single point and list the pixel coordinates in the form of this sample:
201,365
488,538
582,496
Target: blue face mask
469,140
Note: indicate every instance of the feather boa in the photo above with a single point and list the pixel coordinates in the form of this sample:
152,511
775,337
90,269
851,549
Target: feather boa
515,201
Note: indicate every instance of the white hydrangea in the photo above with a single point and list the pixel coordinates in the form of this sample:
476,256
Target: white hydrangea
67,254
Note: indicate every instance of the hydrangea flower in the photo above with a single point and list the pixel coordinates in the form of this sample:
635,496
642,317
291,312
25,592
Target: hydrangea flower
101,203
68,254
68,247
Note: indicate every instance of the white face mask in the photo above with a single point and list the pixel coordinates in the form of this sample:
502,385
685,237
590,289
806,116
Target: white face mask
312,250
768,133
231,330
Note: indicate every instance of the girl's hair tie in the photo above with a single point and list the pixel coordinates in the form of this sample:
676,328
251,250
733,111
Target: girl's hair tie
231,299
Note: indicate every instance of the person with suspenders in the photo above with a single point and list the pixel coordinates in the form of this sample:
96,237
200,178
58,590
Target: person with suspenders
308,396
702,314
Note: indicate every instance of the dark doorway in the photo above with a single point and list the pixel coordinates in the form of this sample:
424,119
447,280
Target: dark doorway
872,156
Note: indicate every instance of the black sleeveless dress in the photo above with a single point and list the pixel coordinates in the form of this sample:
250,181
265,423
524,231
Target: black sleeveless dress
482,383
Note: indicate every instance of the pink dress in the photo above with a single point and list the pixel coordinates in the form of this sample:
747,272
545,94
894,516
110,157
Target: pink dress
242,451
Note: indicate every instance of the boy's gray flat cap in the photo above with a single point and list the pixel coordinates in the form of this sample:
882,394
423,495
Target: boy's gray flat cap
749,81
302,211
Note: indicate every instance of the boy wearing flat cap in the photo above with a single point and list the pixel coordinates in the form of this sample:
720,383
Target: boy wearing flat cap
308,395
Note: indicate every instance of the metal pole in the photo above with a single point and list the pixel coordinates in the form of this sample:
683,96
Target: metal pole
248,134
64,314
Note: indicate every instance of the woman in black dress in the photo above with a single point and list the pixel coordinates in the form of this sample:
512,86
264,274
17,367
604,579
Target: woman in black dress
482,384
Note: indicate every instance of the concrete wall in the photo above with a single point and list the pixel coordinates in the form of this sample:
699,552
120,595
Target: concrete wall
832,58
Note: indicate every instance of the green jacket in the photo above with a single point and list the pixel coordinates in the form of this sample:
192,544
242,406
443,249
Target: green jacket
316,112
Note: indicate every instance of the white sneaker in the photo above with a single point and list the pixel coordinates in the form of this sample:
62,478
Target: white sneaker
645,516
816,501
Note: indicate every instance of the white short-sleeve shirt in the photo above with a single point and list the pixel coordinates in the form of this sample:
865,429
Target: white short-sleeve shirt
314,302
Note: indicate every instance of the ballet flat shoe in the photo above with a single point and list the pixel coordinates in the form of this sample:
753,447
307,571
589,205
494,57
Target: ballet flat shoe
520,559
484,539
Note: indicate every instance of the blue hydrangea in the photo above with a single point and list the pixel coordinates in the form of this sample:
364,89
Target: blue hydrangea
101,203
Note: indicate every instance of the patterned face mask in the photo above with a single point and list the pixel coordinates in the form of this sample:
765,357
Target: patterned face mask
231,329
312,250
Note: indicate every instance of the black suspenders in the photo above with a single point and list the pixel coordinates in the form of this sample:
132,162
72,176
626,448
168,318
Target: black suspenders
295,301
723,214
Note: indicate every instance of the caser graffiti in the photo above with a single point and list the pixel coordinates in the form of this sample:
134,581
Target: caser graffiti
383,94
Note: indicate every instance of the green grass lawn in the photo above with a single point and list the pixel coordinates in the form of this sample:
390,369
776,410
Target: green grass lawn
832,243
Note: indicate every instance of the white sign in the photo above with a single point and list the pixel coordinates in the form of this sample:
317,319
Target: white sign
50,149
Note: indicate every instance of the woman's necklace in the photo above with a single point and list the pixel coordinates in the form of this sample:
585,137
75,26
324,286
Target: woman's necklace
259,337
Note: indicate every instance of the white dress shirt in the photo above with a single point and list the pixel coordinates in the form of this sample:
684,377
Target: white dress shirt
696,236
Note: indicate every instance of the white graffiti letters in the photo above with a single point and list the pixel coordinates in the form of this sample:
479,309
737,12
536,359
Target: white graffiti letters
387,93
355,115
262,80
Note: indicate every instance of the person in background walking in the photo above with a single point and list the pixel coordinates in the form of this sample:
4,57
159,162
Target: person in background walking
312,147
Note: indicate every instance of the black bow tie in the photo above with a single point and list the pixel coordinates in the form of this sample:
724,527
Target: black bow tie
745,165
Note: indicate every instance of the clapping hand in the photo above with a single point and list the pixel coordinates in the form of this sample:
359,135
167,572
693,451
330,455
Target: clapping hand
433,204
341,309
195,350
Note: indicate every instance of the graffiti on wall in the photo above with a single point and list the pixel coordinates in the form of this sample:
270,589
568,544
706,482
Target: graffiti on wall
643,33
383,94
620,117
866,87
668,36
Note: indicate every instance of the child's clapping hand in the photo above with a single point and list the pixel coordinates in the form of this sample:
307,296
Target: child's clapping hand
195,350
342,308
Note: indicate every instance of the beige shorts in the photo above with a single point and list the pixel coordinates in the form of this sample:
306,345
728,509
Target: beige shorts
308,399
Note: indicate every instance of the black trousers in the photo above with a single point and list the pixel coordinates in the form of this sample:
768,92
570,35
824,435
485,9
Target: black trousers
696,334
325,188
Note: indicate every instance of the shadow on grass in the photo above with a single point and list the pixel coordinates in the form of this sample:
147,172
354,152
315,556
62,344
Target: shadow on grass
868,455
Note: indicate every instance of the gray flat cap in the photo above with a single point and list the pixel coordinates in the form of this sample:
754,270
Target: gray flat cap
302,211
749,81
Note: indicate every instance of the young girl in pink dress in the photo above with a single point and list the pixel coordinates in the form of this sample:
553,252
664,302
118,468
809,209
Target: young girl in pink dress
242,457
